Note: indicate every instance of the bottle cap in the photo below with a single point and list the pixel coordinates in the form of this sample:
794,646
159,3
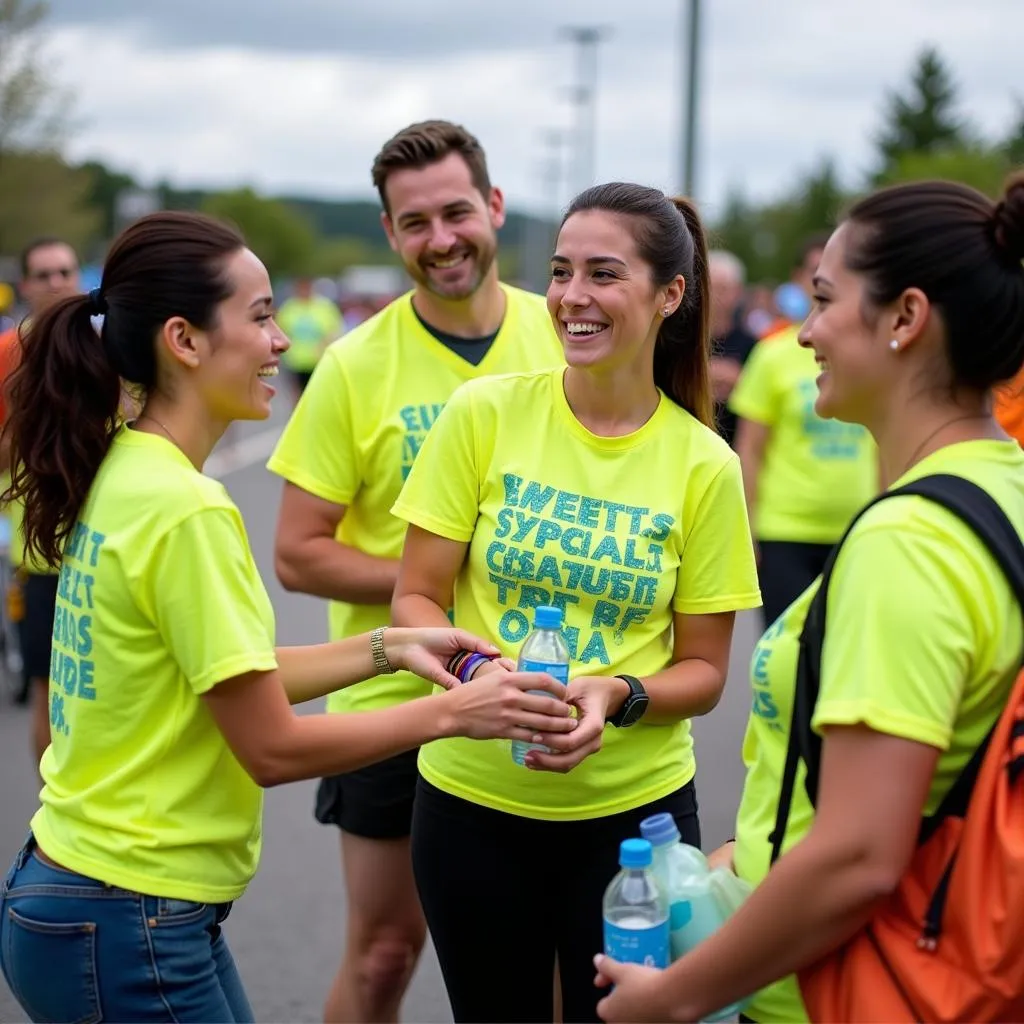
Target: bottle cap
660,829
546,616
635,853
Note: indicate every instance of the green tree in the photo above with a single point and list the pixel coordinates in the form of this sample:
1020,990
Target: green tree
42,195
279,235
105,185
1013,144
924,119
982,167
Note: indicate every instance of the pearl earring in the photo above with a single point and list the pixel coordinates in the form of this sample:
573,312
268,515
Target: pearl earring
666,311
894,345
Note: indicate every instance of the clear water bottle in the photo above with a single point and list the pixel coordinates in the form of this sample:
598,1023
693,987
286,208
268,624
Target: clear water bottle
699,899
682,872
545,650
636,910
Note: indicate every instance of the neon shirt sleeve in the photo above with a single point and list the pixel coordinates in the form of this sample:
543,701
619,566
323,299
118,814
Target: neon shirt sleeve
442,493
756,395
202,588
317,450
718,572
899,638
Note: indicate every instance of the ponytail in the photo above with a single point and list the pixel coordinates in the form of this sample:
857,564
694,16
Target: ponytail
64,397
683,347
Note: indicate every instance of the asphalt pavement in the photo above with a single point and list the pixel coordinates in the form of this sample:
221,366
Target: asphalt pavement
287,931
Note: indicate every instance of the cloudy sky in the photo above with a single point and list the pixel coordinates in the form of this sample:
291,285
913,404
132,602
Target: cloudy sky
297,95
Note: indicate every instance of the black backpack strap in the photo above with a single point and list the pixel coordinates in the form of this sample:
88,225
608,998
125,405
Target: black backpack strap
983,514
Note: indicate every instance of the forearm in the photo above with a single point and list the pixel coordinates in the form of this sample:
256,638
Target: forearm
687,689
316,670
827,893
332,744
326,568
418,610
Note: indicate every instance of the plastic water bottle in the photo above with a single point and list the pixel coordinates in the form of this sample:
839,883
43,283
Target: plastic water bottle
699,899
545,650
683,873
635,910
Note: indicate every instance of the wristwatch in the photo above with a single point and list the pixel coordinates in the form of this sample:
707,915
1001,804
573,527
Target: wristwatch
634,706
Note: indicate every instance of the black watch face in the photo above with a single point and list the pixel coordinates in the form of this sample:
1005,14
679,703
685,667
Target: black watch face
634,710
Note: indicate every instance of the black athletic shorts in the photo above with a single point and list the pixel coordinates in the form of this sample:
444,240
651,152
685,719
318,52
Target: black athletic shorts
36,627
374,802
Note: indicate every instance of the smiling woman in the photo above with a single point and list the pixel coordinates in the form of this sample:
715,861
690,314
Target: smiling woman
599,488
169,703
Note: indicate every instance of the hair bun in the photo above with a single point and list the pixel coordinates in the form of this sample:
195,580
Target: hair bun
1008,219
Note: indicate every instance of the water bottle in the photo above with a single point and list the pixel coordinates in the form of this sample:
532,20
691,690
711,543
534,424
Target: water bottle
545,650
699,899
635,910
683,874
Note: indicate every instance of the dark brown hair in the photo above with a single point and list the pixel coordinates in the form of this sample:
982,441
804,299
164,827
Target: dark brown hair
65,394
964,252
670,239
425,143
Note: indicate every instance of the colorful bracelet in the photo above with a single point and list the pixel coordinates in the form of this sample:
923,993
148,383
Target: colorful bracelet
456,661
470,665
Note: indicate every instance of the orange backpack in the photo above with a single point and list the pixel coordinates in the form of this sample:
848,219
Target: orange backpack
948,944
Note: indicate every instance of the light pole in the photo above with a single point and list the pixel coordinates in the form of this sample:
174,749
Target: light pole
586,38
691,44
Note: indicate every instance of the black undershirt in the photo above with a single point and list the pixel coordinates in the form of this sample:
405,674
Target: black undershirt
472,350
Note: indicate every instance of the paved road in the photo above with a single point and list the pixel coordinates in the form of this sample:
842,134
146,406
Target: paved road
287,931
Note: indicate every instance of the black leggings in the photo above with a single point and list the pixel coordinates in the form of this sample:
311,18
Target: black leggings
504,894
786,570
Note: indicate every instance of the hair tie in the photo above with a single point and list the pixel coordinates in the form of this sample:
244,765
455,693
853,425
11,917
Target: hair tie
97,303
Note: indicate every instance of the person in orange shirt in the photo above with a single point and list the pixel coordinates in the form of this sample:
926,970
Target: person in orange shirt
49,273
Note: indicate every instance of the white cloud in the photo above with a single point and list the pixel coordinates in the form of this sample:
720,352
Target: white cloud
782,85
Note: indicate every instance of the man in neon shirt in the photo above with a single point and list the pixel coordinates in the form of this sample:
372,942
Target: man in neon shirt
345,454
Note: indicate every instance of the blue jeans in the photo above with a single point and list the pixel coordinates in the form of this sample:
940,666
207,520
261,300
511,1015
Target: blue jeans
78,951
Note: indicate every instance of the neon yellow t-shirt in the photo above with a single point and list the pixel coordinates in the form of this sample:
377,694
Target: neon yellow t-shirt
817,474
159,600
15,514
310,325
619,531
358,426
922,641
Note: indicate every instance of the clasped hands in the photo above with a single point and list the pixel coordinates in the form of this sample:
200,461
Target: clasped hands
590,700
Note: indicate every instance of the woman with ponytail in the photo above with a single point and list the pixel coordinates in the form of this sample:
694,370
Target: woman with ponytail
169,703
600,488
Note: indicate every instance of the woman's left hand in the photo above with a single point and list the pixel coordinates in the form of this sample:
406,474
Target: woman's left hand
427,651
637,994
595,697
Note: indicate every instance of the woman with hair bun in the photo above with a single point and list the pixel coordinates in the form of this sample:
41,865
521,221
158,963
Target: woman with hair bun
918,315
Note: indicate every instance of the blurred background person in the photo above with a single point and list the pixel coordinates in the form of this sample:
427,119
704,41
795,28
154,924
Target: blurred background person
804,476
49,273
731,342
311,322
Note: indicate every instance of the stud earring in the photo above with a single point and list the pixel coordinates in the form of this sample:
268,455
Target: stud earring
666,311
894,345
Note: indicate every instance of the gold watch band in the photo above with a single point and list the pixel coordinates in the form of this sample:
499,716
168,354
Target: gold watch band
380,659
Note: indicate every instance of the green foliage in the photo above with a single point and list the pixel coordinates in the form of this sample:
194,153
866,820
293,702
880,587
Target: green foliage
982,167
924,120
277,233
41,195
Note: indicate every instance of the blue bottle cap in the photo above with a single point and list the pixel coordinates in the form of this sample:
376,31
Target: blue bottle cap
546,616
660,829
635,853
